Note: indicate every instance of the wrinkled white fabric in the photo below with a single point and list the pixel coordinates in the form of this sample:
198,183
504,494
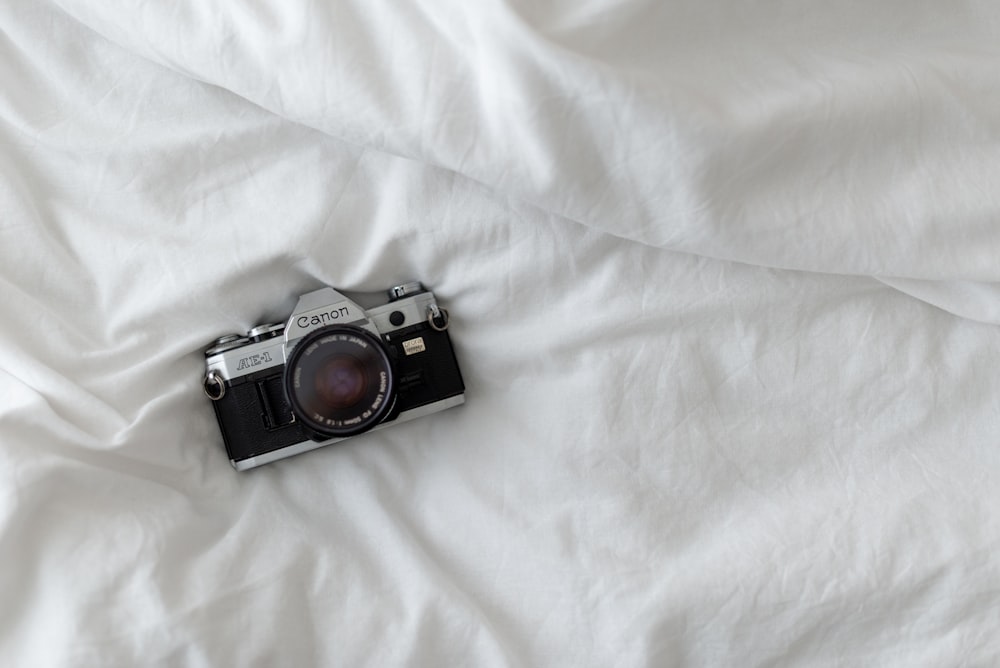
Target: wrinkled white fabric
721,280
853,137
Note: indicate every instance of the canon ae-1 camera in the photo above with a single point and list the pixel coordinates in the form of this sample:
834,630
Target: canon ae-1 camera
331,371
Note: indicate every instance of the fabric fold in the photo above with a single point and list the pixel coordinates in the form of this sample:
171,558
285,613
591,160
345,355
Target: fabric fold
843,140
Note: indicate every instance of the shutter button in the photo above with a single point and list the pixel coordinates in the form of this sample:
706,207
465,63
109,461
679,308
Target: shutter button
405,290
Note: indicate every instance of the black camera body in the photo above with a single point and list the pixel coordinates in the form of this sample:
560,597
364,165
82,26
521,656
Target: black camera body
332,371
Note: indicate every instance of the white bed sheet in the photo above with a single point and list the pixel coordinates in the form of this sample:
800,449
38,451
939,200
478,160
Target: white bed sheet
722,280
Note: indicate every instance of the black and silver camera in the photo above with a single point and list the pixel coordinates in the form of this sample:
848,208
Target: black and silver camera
333,370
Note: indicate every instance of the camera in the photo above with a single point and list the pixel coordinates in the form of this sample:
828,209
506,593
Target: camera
331,371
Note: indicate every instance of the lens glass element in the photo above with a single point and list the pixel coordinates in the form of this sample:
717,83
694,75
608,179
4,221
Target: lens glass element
339,381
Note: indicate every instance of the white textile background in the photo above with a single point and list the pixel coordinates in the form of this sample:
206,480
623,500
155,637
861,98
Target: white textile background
723,287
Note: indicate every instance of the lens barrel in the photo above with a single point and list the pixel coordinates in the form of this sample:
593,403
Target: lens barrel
339,381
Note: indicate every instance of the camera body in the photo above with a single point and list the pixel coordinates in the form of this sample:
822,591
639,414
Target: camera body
331,371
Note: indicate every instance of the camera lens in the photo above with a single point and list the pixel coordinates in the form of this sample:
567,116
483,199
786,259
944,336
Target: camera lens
339,381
